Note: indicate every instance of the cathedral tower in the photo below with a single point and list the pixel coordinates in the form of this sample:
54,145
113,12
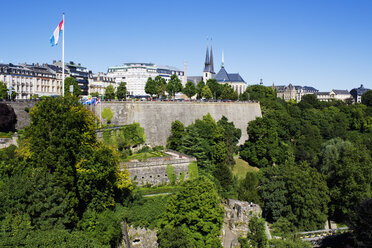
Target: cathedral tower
208,71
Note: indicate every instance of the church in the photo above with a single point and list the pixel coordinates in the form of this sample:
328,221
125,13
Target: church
222,76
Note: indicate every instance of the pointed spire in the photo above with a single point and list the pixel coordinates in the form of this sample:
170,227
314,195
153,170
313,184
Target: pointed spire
211,67
223,60
207,62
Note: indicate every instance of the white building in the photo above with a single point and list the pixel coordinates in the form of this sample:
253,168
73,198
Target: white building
136,75
99,82
341,95
30,80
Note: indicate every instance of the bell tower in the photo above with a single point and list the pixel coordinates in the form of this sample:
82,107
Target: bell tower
208,71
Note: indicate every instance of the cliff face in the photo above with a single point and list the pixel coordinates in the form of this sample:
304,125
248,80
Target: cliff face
157,117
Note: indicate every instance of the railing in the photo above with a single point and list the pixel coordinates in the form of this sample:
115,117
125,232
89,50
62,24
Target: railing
316,237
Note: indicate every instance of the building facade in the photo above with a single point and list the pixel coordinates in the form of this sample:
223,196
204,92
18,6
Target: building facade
341,95
30,80
358,92
99,82
293,92
136,75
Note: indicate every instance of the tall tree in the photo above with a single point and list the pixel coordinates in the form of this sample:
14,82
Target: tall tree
296,192
199,89
160,86
174,85
174,141
3,91
189,89
196,208
231,136
207,93
367,98
361,223
215,88
248,188
71,81
121,91
110,92
150,87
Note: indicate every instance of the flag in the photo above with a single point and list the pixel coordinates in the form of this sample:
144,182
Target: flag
55,35
98,101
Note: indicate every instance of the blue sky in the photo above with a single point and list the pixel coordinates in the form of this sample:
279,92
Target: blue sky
323,43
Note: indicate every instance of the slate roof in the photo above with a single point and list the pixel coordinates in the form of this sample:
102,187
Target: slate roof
358,91
223,76
341,92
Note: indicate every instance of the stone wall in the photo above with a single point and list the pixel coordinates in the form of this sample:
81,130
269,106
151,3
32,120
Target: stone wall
154,170
157,117
23,118
6,142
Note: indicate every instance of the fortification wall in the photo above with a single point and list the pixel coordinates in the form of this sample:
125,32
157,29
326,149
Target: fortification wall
23,118
154,170
157,117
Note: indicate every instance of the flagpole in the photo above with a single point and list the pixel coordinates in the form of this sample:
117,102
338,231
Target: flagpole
63,56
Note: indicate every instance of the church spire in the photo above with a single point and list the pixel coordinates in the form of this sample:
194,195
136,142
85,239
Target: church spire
207,61
211,67
223,60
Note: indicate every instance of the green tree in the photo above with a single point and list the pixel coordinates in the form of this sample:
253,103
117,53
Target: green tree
107,115
174,141
260,92
199,90
207,93
174,85
348,174
296,192
110,92
257,235
61,140
189,89
150,87
231,137
227,92
160,86
361,223
95,94
174,237
196,208
215,88
121,91
3,91
71,81
248,188
367,98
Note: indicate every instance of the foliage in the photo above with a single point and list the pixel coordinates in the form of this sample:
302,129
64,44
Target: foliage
199,89
146,212
228,93
71,81
121,91
260,92
174,237
8,118
3,91
207,93
361,223
215,87
231,136
189,89
110,92
248,188
256,237
132,135
241,168
107,114
349,176
196,209
95,94
150,87
177,131
174,85
192,169
367,98
296,192
288,243
171,175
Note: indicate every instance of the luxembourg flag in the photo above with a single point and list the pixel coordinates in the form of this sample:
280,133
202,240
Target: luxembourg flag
55,36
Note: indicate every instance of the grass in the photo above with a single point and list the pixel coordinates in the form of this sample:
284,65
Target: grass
145,155
6,135
241,168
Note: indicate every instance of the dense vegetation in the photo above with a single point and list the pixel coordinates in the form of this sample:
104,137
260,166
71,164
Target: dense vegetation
60,187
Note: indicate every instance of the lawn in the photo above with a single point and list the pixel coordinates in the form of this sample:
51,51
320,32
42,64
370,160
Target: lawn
145,155
241,168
